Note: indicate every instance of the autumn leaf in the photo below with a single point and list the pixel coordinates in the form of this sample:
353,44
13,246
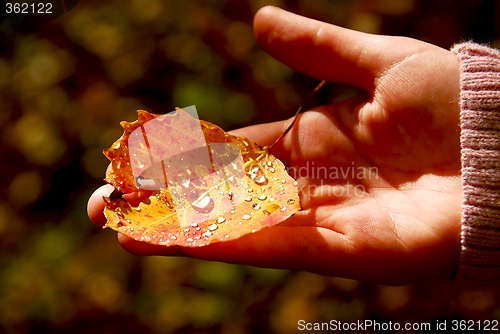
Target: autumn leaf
207,185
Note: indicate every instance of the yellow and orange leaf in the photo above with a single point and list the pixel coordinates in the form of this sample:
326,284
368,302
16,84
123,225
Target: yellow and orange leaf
202,194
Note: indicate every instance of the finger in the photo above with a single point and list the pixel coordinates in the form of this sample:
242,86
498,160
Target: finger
279,247
322,50
143,249
95,205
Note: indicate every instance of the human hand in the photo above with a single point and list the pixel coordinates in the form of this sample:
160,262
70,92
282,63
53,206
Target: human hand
379,174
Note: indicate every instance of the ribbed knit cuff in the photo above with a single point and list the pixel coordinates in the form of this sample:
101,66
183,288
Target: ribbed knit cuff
479,266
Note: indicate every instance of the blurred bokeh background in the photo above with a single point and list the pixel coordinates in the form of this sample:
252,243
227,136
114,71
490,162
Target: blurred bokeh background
66,83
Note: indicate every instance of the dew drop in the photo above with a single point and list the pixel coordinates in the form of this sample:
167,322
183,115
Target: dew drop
260,180
232,210
248,199
283,181
269,163
194,224
262,197
173,237
190,239
220,220
145,183
266,213
271,169
212,227
257,175
246,216
283,208
204,202
201,203
186,230
290,201
183,180
207,234
256,206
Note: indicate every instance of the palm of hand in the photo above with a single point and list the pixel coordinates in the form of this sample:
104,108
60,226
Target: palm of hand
373,211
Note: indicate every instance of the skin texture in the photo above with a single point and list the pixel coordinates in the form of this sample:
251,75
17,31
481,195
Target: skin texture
379,174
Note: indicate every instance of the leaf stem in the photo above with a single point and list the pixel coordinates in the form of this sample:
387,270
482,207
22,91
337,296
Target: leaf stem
308,98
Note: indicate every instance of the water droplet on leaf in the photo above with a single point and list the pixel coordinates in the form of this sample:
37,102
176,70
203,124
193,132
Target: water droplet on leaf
202,203
260,180
183,180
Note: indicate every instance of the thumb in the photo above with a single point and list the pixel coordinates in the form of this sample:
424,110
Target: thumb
325,51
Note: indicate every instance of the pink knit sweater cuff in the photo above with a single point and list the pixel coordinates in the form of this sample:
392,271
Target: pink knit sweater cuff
479,266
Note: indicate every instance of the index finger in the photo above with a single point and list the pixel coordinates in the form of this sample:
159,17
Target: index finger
326,51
